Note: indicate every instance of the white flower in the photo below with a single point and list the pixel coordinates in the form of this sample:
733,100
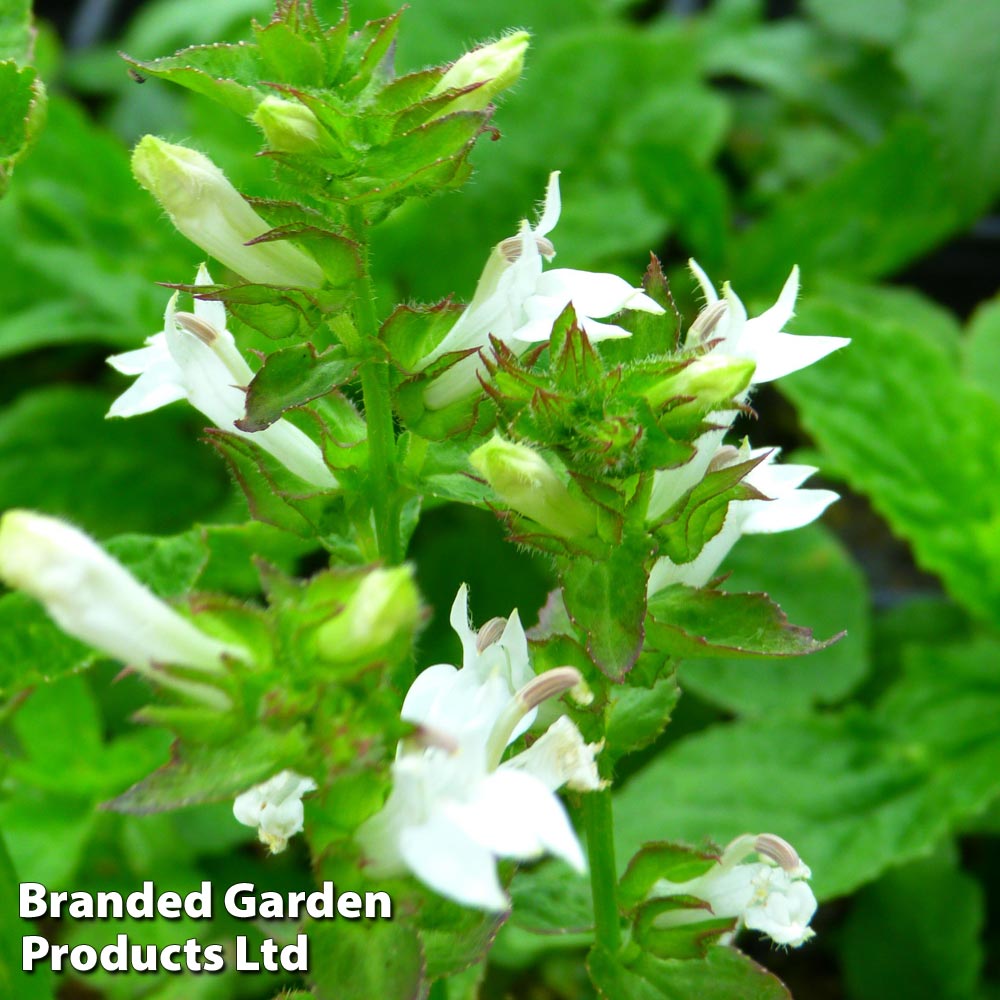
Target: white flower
95,599
517,302
213,215
771,895
760,339
788,508
196,358
275,808
454,807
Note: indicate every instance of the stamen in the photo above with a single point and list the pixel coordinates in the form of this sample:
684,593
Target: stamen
205,332
490,633
706,321
770,845
511,247
548,685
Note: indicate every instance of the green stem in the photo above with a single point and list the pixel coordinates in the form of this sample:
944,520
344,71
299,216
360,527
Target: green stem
599,824
378,406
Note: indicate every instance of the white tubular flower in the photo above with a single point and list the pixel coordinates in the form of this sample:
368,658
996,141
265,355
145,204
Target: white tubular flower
213,215
195,358
454,807
517,302
275,808
95,599
771,895
788,508
759,339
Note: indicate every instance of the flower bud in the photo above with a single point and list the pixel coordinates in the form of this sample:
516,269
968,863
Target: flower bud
524,481
711,380
210,212
288,126
95,599
495,67
385,606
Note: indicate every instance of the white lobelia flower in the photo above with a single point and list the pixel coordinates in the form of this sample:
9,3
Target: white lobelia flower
195,358
275,808
787,508
454,807
94,598
771,895
517,302
760,339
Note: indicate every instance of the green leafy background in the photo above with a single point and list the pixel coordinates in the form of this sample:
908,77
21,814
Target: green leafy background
860,140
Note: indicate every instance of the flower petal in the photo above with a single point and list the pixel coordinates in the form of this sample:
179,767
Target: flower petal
780,354
552,208
794,510
452,863
592,293
707,288
144,395
213,313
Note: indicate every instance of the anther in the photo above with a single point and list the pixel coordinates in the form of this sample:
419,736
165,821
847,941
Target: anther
490,633
205,332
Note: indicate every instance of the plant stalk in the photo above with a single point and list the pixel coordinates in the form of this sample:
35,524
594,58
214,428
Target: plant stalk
599,824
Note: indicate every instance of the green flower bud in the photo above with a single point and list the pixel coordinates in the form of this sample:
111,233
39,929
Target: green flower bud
386,606
496,67
529,485
212,214
711,380
288,126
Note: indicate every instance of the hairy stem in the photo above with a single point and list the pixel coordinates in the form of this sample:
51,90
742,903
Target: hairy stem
599,824
378,406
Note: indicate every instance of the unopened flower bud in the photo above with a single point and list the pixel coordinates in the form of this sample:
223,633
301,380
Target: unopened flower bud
524,481
210,212
288,126
710,380
94,598
496,67
385,606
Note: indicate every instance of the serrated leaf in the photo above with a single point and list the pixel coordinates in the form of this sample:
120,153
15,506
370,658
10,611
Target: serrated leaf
929,468
412,332
637,715
607,599
724,973
660,860
292,377
361,960
199,774
696,621
552,899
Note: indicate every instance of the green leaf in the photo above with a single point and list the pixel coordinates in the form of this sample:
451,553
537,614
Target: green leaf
725,973
359,961
660,860
696,621
981,350
927,469
292,377
551,899
950,55
60,455
37,986
894,942
813,579
199,774
637,715
607,599
890,782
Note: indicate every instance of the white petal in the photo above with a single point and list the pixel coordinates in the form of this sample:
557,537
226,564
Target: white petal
779,354
420,701
514,815
796,509
142,359
774,319
248,806
592,293
597,331
553,206
145,395
453,864
707,288
560,756
459,621
515,644
213,313
296,451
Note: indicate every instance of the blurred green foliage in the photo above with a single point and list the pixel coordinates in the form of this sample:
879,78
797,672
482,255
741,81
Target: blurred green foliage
853,138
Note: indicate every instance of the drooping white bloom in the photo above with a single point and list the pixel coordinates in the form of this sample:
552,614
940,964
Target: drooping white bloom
454,807
275,808
517,302
771,895
195,357
788,508
760,339
94,598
